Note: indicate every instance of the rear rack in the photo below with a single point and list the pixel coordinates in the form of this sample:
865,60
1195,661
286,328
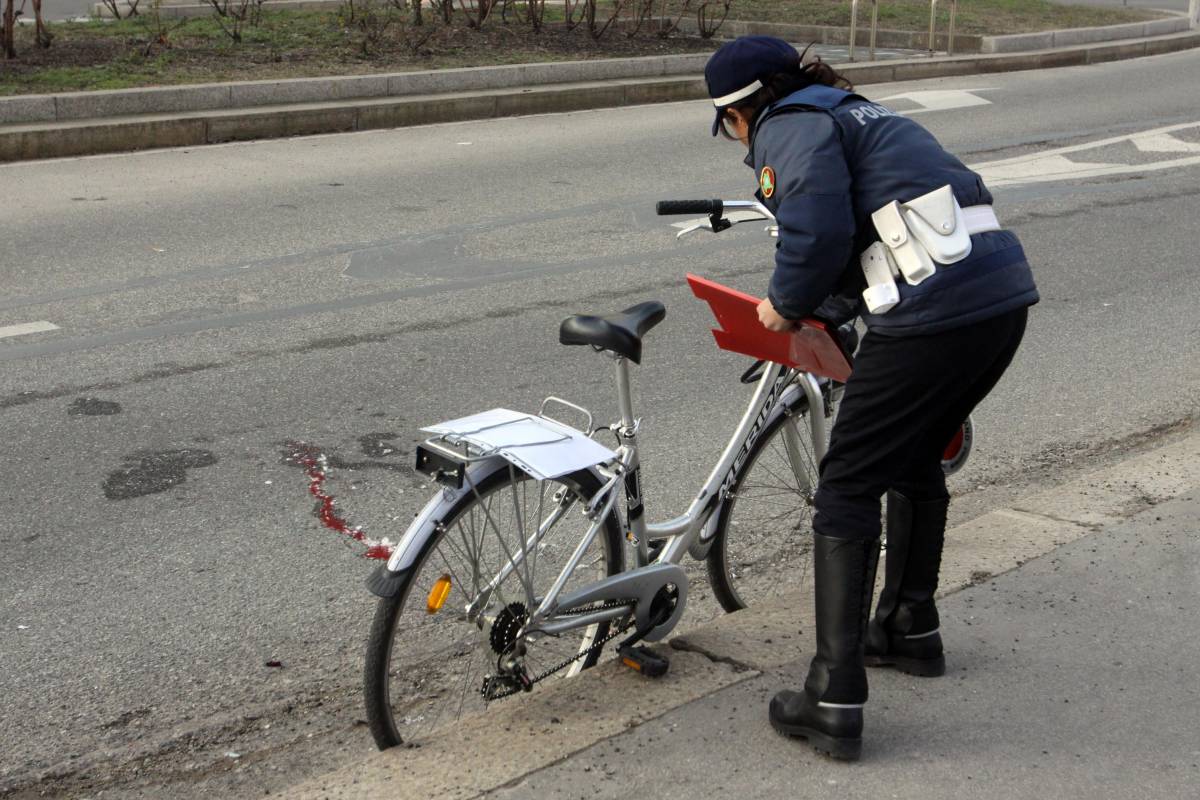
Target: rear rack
539,445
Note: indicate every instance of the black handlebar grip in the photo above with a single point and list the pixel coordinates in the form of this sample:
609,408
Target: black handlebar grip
667,207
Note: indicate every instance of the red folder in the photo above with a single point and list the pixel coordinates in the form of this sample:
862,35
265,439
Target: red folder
810,346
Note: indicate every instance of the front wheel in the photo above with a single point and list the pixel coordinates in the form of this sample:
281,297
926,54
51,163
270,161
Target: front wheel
763,542
428,660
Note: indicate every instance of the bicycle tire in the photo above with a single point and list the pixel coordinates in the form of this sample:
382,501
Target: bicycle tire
750,562
380,673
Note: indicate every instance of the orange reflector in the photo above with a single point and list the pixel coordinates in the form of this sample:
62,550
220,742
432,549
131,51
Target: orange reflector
629,662
438,595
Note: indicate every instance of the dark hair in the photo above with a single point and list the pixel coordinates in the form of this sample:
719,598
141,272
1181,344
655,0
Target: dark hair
781,84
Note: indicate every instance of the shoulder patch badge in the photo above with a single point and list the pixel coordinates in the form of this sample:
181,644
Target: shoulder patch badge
766,181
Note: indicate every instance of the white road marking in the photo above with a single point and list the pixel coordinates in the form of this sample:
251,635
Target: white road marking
1164,143
28,327
1053,165
1042,167
940,100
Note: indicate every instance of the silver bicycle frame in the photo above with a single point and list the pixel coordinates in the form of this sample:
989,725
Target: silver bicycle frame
683,530
624,473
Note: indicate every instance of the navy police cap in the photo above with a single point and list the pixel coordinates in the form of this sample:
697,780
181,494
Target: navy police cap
738,69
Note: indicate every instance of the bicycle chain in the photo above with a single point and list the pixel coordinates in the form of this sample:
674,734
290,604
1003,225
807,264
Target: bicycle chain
595,646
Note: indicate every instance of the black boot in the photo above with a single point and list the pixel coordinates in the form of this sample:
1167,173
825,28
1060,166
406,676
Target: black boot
828,713
904,633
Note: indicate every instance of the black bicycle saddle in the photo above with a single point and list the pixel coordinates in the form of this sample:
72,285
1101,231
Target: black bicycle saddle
621,333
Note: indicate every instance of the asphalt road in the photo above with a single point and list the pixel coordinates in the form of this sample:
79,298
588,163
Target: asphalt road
214,306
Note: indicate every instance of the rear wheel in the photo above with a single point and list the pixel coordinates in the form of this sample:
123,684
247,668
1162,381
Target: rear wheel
763,544
426,661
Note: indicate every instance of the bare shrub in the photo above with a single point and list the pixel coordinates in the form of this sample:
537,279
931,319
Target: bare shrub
535,13
643,10
115,7
707,21
372,19
445,8
41,34
233,15
593,18
8,28
476,11
667,25
570,9
414,8
158,30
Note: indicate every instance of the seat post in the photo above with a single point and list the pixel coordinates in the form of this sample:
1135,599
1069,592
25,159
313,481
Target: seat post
624,393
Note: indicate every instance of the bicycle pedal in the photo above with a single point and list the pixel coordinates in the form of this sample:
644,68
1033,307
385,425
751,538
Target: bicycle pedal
644,660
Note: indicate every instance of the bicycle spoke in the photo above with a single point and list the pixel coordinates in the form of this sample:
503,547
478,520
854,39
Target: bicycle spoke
766,546
513,526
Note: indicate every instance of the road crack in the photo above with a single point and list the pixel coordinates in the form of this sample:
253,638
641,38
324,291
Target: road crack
683,644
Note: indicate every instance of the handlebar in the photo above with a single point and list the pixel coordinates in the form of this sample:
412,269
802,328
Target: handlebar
715,217
711,207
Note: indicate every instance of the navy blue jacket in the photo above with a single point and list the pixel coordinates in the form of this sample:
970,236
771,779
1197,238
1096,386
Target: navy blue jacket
837,158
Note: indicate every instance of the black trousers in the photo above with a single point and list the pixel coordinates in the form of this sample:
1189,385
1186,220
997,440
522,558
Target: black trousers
903,403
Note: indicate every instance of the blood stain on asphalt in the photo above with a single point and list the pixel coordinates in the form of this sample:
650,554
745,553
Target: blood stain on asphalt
316,464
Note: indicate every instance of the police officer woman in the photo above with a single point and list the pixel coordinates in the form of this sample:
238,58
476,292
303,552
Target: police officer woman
874,218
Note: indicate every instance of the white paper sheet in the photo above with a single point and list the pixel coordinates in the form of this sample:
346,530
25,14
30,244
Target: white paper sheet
542,447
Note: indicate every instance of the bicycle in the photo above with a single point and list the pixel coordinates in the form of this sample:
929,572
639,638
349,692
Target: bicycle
514,572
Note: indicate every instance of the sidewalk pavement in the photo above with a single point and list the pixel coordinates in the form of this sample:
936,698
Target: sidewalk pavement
1074,676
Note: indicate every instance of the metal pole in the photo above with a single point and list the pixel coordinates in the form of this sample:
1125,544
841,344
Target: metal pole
853,26
950,40
932,21
875,24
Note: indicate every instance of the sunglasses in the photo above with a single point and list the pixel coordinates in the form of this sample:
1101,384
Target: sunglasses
726,128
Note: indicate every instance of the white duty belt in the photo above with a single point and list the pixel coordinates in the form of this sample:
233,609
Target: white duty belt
915,237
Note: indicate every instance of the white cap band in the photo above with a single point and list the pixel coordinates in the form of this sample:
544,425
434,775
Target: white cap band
738,95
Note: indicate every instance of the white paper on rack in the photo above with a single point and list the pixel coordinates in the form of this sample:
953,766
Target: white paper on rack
542,447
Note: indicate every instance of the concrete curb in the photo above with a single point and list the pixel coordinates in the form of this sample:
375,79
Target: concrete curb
1021,42
119,134
75,136
71,106
760,639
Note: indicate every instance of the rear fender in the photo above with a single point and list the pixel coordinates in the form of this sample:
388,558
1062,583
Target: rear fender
423,526
388,578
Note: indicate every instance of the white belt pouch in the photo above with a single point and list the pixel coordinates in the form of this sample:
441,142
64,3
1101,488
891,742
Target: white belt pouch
923,231
914,237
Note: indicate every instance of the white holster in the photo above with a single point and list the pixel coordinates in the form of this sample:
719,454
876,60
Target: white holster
915,237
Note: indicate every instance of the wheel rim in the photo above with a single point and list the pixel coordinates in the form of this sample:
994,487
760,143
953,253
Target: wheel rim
766,543
436,661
